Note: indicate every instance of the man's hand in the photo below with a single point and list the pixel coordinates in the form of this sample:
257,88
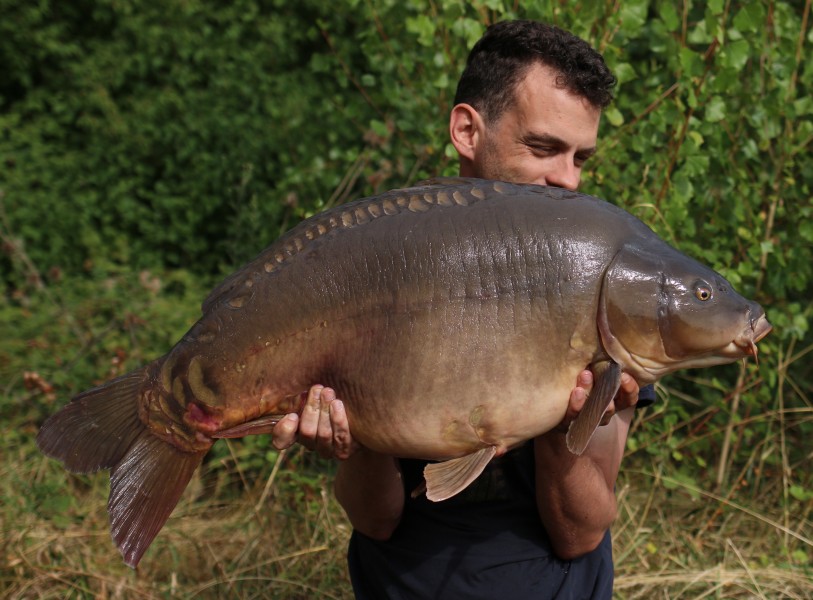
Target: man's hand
323,426
626,397
368,486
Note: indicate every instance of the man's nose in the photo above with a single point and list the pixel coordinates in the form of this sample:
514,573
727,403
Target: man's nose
566,175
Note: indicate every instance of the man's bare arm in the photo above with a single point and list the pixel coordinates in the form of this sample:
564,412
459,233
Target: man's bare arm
576,494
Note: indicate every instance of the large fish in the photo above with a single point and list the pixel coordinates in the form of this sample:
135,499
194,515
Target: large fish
452,318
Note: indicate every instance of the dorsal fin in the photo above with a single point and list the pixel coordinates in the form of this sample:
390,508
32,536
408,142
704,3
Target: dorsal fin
443,191
448,181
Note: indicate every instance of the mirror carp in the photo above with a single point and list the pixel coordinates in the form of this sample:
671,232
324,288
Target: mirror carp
405,303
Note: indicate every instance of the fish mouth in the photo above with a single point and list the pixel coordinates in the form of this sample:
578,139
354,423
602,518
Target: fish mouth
747,341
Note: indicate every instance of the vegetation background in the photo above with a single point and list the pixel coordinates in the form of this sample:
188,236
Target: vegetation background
147,148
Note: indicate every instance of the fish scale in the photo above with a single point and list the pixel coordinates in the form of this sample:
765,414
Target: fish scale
451,318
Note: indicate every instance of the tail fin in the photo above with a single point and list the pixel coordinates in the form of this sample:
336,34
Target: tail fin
144,488
101,429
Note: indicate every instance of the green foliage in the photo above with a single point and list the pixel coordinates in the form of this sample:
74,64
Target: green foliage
80,332
191,134
709,145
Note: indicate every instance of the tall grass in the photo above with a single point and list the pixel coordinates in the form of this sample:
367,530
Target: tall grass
288,540
216,545
743,531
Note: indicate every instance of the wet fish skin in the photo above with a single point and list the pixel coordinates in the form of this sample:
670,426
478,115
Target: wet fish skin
406,303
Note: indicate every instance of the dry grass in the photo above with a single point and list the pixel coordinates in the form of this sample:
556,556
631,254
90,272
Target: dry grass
689,543
285,537
260,545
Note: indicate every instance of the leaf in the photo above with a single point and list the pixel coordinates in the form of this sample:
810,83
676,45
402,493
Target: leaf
695,165
624,72
669,15
424,27
800,493
614,116
469,29
380,128
715,109
442,81
751,17
736,54
633,15
700,34
716,6
691,62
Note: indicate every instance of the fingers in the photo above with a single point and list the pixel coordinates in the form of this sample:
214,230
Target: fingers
628,392
315,432
284,432
343,443
626,397
322,427
578,396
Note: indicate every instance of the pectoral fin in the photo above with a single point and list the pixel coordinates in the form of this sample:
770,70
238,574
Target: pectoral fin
256,427
447,478
607,376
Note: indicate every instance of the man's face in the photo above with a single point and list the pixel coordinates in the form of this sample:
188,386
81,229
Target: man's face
544,138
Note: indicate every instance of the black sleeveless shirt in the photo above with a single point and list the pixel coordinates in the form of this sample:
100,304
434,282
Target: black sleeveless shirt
486,543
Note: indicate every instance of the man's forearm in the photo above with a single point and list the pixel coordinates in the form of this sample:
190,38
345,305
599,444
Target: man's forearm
368,486
576,494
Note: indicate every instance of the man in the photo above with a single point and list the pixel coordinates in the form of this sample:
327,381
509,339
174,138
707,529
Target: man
536,523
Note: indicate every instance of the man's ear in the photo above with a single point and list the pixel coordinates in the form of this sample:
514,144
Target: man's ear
465,130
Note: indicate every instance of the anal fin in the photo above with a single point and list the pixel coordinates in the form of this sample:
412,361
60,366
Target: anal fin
263,425
607,376
450,477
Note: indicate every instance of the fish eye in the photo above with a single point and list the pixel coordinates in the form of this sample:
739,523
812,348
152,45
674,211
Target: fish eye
702,292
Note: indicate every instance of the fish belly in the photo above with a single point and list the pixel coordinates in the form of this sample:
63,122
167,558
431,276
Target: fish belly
441,381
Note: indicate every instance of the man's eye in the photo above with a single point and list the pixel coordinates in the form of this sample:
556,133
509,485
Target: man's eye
543,149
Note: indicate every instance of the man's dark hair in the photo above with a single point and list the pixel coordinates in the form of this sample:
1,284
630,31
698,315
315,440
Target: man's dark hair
500,59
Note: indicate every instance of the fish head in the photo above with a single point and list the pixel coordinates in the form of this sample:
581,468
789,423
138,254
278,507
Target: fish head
661,311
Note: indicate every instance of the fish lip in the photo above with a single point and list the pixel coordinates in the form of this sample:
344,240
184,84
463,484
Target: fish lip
761,328
747,342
